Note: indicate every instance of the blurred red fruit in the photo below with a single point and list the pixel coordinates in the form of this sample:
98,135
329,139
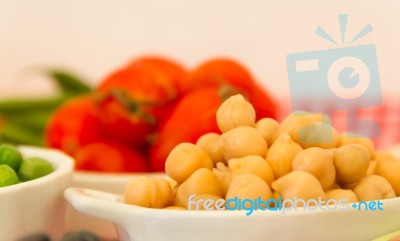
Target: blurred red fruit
110,156
73,125
133,98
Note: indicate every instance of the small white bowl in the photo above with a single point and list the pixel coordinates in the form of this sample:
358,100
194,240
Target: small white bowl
106,182
37,205
137,223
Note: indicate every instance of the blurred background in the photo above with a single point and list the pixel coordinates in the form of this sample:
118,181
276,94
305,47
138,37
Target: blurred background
93,37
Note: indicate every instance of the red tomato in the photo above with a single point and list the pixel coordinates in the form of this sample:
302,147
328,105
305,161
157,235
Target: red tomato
193,116
175,71
220,71
73,125
135,97
108,156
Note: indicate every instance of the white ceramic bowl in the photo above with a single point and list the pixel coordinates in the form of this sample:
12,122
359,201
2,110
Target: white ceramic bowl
37,205
142,224
106,182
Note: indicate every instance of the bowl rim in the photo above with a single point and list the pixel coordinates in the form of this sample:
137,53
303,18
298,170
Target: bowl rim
62,163
82,198
85,173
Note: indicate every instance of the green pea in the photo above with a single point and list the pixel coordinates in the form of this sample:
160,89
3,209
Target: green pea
8,176
10,156
33,168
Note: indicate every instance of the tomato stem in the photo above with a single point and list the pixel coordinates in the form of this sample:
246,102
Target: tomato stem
134,106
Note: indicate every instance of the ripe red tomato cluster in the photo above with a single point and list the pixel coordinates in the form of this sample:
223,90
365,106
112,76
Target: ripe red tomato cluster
140,112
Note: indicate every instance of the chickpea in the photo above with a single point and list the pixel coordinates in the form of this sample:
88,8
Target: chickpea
268,128
254,165
151,192
349,138
243,141
175,200
281,155
388,166
371,167
184,160
275,195
201,202
348,185
172,182
373,188
296,121
223,175
210,143
202,181
351,162
300,185
248,186
335,186
318,162
235,112
338,194
318,135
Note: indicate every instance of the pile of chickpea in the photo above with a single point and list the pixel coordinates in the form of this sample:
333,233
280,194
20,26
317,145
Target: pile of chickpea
301,157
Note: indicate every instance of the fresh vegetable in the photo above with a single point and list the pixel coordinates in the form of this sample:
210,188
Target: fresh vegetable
108,156
139,113
36,237
9,155
8,176
70,84
23,121
133,98
80,236
14,168
220,71
74,125
193,116
175,72
69,236
33,168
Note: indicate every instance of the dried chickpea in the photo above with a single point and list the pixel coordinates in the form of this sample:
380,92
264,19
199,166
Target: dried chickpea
151,192
318,135
373,188
349,138
223,175
210,143
281,155
351,162
348,185
335,186
202,181
254,165
243,141
184,160
235,112
388,166
337,194
175,201
248,186
300,185
294,122
275,195
318,162
203,202
371,168
268,128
